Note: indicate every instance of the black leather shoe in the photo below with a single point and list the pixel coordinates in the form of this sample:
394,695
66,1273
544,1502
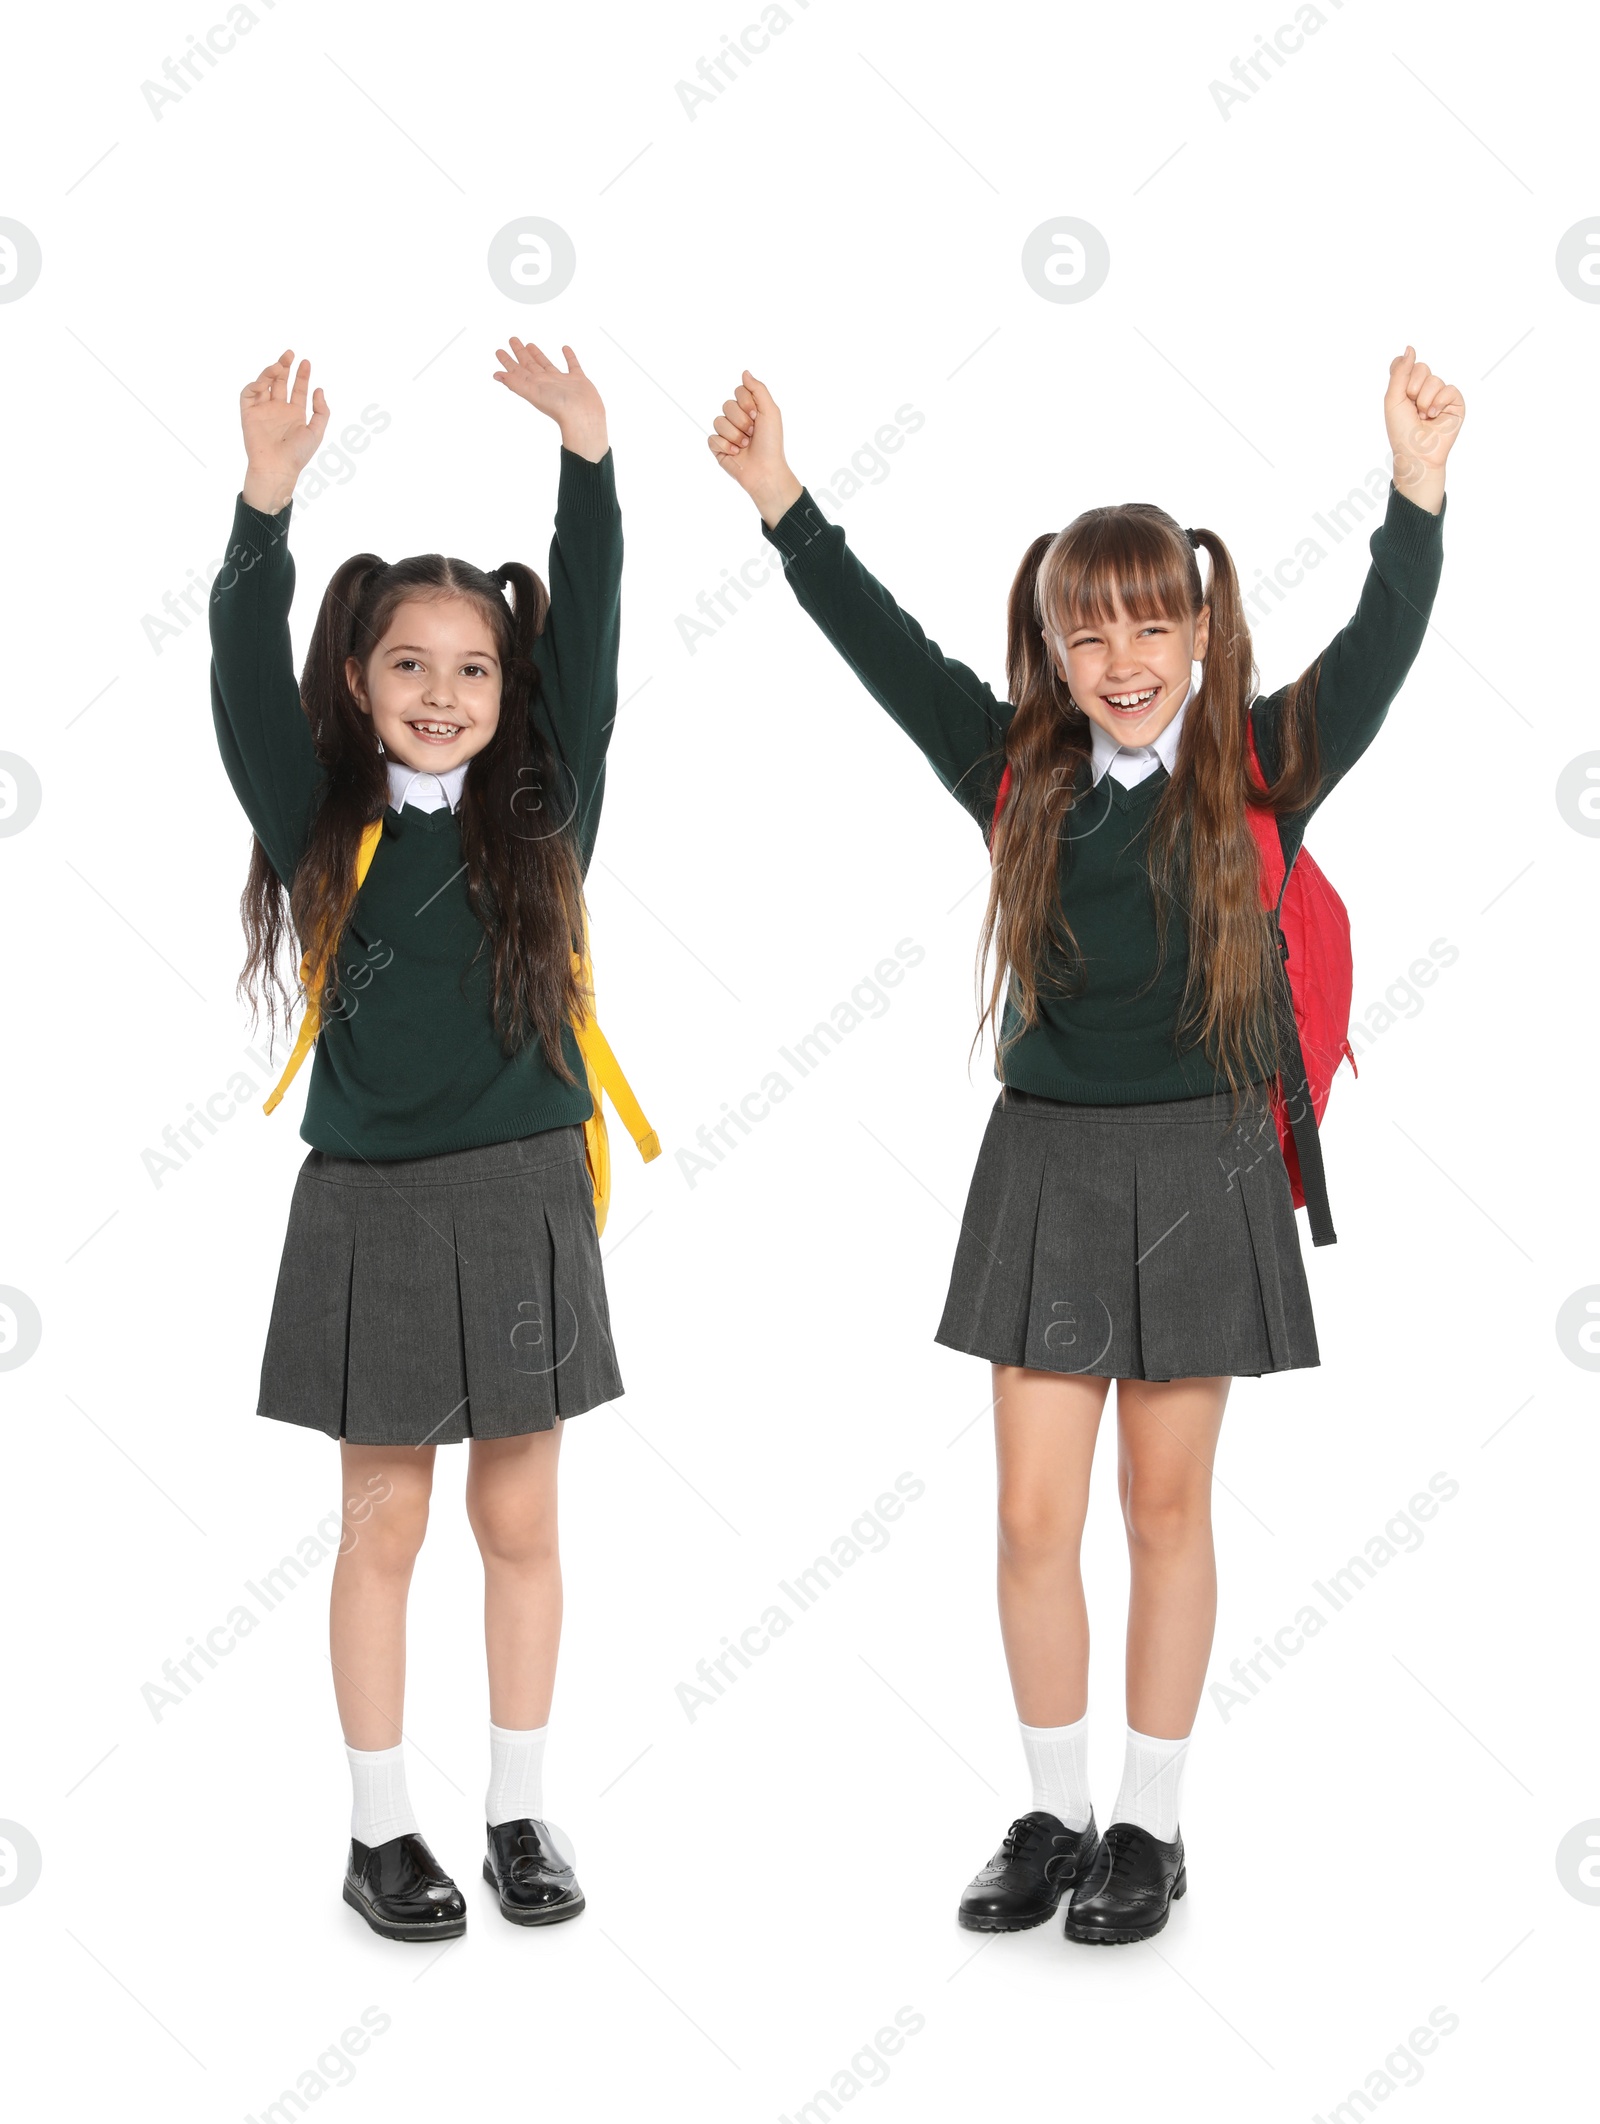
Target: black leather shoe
535,1884
403,1892
1129,1892
1038,1861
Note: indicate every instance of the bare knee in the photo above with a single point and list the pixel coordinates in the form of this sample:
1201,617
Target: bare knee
1165,1517
385,1518
1036,1530
509,1533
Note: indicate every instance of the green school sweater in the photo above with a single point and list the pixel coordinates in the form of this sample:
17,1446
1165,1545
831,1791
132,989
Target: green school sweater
416,1067
1114,1042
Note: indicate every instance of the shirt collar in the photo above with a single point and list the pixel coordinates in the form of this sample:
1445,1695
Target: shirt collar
1165,747
423,789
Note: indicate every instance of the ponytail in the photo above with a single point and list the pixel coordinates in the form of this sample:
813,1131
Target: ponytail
346,746
1048,739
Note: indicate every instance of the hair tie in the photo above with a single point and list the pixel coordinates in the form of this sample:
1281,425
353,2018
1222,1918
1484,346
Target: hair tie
1189,535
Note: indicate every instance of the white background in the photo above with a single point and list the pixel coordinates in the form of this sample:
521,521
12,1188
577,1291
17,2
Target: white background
1374,1835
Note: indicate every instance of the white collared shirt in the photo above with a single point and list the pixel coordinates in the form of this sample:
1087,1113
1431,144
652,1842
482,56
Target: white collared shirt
1131,763
421,788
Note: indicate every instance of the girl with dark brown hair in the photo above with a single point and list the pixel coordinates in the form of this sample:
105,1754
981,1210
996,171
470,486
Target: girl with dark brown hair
441,1278
1131,1214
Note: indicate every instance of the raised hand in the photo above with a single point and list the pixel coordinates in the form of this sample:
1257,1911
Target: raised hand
748,444
279,438
1423,415
566,395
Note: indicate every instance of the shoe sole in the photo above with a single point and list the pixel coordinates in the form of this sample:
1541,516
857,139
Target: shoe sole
1087,1937
531,1917
972,1923
450,1929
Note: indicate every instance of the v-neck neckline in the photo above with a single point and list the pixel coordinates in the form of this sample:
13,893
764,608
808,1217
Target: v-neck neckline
424,821
1125,798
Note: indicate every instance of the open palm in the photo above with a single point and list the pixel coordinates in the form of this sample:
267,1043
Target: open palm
280,437
566,395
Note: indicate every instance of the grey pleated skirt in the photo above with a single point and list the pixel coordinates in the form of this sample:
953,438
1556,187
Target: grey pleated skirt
421,1301
1154,1241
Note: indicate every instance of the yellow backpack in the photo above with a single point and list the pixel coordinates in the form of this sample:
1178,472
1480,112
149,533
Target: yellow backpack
600,1064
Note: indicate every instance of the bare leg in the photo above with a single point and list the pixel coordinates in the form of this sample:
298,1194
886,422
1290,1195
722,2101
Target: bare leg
1167,1443
1045,1424
386,1491
511,1503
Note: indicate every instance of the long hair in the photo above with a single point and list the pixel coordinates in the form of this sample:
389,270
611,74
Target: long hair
1203,858
524,878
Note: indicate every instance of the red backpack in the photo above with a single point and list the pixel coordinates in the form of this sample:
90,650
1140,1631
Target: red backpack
1313,933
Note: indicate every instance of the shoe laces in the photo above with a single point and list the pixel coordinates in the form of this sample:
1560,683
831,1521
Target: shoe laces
1119,1840
1018,1837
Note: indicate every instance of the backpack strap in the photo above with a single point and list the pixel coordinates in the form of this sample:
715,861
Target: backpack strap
1292,1079
1000,800
314,972
596,1051
603,1065
604,1075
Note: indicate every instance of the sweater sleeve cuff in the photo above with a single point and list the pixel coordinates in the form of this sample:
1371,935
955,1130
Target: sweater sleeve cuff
262,533
1411,532
587,488
799,527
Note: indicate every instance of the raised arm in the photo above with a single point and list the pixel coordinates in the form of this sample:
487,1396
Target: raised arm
261,729
577,651
1366,663
942,705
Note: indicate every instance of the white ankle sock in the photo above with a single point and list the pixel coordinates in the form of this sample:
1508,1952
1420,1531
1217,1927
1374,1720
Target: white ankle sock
516,1774
1058,1763
1152,1772
382,1808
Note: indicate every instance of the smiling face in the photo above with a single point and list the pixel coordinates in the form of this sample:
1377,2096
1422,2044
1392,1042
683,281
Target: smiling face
432,685
1131,676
